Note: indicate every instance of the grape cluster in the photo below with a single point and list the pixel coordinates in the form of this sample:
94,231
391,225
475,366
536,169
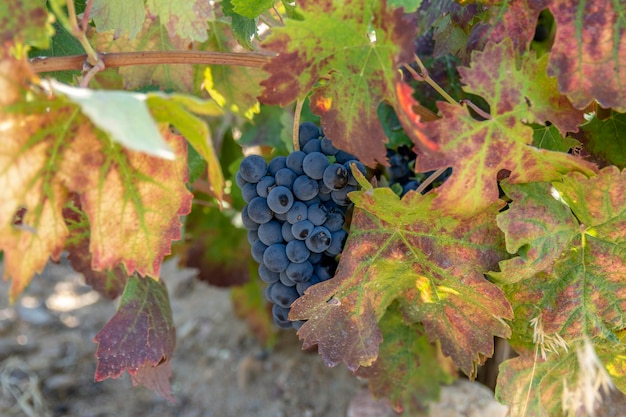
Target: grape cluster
401,171
295,216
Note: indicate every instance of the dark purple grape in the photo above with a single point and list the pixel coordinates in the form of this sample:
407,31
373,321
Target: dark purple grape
276,164
267,275
253,168
302,229
259,211
270,233
335,176
312,146
318,240
307,131
264,186
294,162
275,257
297,212
317,214
299,272
305,188
285,177
297,251
283,296
314,165
280,199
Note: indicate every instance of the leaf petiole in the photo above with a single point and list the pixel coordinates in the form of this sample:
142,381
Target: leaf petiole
424,76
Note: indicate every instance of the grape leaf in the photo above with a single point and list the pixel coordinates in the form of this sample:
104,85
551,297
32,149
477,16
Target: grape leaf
589,52
478,150
124,116
605,139
187,20
140,338
360,71
109,283
252,8
24,23
572,269
407,370
50,150
548,137
234,88
244,28
120,16
151,38
175,109
433,264
515,20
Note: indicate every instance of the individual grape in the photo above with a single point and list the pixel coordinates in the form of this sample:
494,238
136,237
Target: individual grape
409,186
307,131
276,164
398,168
351,179
275,257
282,295
317,214
268,292
302,229
267,275
280,216
324,197
253,236
327,147
323,189
341,196
305,188
248,192
253,168
312,146
299,272
294,162
270,233
297,212
335,220
335,176
301,287
338,240
312,202
285,280
318,240
247,221
264,186
325,269
239,180
285,177
314,165
315,258
258,248
259,211
286,232
342,157
280,316
297,251
280,199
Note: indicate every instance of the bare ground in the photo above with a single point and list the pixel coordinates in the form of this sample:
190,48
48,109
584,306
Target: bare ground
47,362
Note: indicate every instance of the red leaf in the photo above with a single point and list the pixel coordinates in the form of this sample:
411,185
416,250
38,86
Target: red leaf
140,337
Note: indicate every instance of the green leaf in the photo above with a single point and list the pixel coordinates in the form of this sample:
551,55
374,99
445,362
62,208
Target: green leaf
143,319
252,8
122,115
478,150
174,109
24,22
183,19
431,263
120,16
359,72
549,138
407,370
589,71
410,6
244,28
268,128
605,139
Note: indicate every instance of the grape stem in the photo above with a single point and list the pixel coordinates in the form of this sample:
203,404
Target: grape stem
123,59
424,76
430,180
296,125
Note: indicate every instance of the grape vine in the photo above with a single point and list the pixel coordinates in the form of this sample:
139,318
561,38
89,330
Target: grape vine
408,179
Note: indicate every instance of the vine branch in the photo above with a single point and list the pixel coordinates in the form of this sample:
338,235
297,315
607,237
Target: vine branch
122,59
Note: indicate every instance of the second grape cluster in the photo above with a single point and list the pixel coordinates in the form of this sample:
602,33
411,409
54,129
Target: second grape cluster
295,216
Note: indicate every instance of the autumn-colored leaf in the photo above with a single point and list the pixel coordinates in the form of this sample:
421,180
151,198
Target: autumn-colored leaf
120,16
431,263
152,37
407,370
478,150
589,52
354,75
514,20
140,338
605,139
24,22
572,269
183,19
